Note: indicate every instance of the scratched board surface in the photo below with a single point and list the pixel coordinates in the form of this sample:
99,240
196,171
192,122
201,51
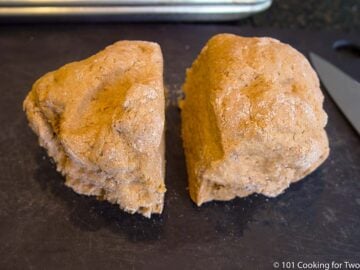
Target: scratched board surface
45,225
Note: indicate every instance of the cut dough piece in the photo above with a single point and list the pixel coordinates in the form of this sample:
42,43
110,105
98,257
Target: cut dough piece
102,121
252,119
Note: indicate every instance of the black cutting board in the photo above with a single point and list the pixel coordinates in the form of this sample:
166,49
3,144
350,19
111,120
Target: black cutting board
45,225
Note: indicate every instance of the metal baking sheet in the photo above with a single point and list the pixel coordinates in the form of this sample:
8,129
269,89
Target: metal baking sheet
124,10
121,2
45,225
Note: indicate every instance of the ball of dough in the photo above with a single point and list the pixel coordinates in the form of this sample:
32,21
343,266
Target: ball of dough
252,119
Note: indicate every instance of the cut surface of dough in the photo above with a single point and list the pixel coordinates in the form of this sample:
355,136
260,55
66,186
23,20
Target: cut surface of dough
102,121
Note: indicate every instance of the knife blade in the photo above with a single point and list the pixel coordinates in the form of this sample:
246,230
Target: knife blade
343,89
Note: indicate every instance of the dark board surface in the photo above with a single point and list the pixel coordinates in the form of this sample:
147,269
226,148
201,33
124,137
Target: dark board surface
45,225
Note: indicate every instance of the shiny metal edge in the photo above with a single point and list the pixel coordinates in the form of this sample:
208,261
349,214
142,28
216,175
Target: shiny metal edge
133,13
29,3
343,89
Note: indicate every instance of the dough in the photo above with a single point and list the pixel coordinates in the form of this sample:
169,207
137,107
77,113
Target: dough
252,119
102,121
